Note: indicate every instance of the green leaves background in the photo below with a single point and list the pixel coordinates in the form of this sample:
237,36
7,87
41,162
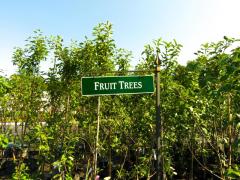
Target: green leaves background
199,103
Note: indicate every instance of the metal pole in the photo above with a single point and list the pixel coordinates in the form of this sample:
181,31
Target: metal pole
97,137
158,120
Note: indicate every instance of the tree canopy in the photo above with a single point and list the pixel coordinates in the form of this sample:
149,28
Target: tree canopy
50,128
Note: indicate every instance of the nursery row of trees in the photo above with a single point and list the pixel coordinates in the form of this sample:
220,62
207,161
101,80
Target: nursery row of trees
200,109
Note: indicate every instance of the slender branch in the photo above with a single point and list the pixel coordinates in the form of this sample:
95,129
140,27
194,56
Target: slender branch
204,167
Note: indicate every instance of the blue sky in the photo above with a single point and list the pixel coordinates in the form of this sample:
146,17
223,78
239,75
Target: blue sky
135,22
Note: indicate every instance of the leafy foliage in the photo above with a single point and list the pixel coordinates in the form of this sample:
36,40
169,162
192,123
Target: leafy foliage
57,126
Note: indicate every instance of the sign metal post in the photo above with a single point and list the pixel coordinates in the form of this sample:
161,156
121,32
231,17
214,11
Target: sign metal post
158,119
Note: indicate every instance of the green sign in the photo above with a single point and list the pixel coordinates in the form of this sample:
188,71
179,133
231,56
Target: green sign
110,85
